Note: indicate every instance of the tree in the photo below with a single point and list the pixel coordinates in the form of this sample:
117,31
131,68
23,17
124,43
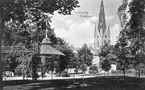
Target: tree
122,46
51,64
83,67
6,61
28,16
85,56
123,54
107,56
106,65
136,31
13,62
69,60
23,9
23,67
34,64
93,70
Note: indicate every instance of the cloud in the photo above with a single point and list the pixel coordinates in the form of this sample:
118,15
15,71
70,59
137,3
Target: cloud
61,32
78,30
94,19
78,33
109,17
83,32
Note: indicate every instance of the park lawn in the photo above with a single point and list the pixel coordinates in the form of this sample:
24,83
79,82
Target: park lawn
96,83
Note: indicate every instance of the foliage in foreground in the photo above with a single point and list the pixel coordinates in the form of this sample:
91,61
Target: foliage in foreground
107,57
25,23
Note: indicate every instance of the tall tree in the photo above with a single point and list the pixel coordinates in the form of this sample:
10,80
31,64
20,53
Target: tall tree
20,10
23,9
85,55
123,52
30,16
106,65
107,57
34,64
23,17
136,31
69,60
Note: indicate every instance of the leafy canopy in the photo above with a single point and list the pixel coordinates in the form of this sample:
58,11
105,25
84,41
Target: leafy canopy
85,55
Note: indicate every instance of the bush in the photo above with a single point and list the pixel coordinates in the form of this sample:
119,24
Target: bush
93,70
142,71
106,65
83,67
19,70
113,72
8,73
129,72
65,74
76,70
117,72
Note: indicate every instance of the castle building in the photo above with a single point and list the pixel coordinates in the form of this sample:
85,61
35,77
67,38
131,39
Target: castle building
101,34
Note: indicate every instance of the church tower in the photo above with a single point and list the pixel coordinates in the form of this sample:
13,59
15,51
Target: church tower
101,34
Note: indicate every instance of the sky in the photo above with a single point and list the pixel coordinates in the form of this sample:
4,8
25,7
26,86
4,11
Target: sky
77,30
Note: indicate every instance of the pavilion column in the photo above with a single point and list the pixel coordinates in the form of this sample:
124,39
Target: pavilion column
1,33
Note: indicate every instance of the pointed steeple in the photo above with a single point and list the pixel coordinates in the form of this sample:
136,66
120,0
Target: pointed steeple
95,32
109,33
102,21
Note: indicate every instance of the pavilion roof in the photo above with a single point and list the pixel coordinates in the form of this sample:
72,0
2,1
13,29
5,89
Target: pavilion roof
48,50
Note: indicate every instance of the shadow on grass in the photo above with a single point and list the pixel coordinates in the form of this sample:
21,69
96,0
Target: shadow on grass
97,83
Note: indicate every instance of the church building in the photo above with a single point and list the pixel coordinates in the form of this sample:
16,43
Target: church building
101,34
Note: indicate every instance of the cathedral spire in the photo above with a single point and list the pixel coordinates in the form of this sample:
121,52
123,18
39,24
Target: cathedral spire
95,32
102,21
109,33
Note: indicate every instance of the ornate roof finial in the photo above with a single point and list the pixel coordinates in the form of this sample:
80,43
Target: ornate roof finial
46,32
46,40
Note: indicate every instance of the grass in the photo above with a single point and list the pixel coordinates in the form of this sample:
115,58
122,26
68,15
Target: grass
96,83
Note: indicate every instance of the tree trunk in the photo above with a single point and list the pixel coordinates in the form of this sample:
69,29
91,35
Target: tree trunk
23,76
52,74
42,72
124,72
1,33
23,73
139,71
104,73
107,73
